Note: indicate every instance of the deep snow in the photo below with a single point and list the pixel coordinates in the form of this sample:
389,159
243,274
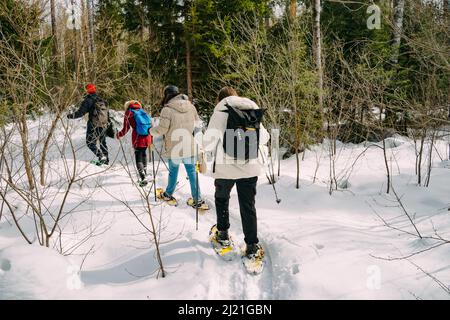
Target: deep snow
318,246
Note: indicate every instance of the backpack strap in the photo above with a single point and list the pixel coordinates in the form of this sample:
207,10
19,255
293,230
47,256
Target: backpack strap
247,119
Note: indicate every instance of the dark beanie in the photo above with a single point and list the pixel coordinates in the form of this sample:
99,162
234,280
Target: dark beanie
170,92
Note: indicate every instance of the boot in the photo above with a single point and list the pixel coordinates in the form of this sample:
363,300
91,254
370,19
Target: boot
167,197
222,235
223,238
254,251
142,175
103,160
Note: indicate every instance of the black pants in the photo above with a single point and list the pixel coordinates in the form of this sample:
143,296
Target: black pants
141,161
94,135
246,190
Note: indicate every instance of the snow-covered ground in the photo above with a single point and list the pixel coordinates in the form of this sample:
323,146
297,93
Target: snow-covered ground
319,246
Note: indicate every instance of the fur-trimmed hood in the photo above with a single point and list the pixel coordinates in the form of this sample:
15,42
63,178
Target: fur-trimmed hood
180,103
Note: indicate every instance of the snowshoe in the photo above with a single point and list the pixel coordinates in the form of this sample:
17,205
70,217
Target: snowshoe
202,205
142,183
253,259
223,247
162,195
96,162
100,161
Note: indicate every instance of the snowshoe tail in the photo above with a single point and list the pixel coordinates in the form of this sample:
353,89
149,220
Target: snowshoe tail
254,263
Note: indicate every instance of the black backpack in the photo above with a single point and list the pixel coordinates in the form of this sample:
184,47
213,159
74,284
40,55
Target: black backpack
241,138
100,113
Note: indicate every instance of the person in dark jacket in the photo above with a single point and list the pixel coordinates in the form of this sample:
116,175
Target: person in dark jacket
140,143
94,133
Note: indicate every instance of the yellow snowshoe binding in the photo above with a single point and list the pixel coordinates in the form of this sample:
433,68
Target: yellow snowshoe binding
162,195
223,246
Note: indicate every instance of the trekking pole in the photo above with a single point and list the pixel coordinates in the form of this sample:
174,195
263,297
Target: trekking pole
197,167
278,200
151,147
161,158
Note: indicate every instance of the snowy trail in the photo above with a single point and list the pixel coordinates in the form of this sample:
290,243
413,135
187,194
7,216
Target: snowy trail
231,277
317,246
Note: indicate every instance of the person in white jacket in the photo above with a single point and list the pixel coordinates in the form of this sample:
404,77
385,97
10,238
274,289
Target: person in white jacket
228,171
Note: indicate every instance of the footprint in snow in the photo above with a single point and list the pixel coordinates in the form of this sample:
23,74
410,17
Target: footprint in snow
5,265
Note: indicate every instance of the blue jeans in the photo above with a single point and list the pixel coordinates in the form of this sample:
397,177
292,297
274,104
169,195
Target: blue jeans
189,165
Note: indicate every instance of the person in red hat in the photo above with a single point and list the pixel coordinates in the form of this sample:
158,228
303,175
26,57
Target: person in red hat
97,123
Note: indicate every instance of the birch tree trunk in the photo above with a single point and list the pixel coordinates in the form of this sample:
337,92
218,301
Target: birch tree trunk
188,5
90,12
75,41
317,48
399,9
84,40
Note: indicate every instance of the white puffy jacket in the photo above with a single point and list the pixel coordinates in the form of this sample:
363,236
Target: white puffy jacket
226,167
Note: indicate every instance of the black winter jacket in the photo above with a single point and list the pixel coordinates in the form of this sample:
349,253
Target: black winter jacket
87,106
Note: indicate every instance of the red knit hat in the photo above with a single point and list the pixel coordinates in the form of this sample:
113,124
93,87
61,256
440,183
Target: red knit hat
90,88
136,103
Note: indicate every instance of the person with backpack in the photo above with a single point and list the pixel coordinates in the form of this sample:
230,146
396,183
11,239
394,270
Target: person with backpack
136,118
234,136
97,124
178,119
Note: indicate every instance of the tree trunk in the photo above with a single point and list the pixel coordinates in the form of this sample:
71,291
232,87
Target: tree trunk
297,158
26,156
430,159
399,9
419,162
84,42
45,148
189,70
386,163
90,12
54,33
318,49
292,10
75,41
187,31
446,5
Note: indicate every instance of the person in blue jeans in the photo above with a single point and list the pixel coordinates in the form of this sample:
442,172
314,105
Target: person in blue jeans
189,165
177,121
